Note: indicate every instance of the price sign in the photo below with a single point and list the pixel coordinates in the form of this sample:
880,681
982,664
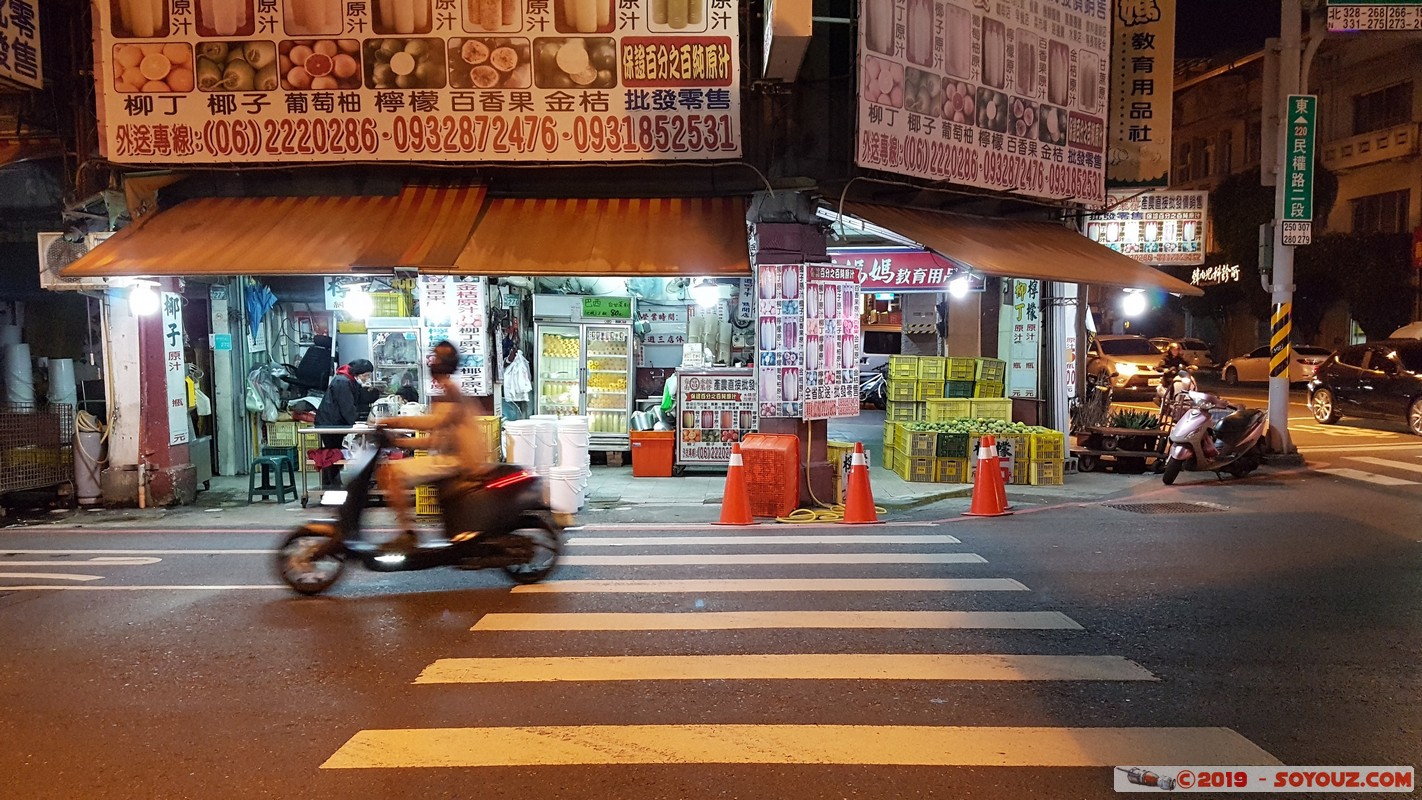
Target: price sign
607,307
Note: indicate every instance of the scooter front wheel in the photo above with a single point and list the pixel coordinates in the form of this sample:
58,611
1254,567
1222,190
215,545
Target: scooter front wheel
310,559
1173,466
543,538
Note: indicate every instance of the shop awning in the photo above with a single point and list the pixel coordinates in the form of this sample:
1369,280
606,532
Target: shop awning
423,227
608,237
1019,248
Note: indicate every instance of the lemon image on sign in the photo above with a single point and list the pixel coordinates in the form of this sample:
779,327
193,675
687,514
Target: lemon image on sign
573,58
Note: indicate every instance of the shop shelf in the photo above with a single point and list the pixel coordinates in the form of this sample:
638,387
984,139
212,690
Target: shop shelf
944,409
929,390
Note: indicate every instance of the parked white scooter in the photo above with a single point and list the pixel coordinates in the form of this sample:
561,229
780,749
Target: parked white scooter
1172,393
1214,436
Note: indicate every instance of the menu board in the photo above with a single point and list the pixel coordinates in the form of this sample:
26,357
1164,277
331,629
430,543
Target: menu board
456,308
175,368
715,409
246,81
831,341
780,340
1020,335
1008,95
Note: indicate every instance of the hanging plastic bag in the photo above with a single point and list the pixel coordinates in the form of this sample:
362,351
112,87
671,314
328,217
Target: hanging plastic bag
518,384
255,403
203,404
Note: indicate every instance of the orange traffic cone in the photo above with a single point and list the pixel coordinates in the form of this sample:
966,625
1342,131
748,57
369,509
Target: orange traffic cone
859,500
989,495
735,502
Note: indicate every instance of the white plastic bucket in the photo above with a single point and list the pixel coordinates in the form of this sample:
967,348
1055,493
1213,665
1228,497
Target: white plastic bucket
547,438
522,439
567,488
573,442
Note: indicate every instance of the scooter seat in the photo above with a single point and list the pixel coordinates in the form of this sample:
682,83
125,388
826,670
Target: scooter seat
1237,423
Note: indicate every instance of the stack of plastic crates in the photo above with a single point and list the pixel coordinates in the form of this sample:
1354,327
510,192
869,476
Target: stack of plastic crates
1048,452
991,377
915,456
902,392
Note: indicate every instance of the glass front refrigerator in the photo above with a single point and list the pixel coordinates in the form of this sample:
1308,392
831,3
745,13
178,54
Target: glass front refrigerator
587,368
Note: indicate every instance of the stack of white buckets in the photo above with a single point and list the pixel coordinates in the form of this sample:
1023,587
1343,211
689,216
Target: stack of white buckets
556,449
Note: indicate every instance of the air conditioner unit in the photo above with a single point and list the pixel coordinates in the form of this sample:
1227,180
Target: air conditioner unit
57,252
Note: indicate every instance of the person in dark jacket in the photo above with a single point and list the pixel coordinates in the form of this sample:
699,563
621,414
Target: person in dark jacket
340,408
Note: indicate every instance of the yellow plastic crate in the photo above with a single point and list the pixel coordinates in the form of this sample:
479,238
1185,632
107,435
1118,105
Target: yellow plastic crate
282,434
951,470
426,501
903,367
929,390
992,408
991,369
961,369
959,388
389,304
890,434
931,368
988,389
1046,473
903,390
891,457
943,409
1049,446
916,470
919,443
904,412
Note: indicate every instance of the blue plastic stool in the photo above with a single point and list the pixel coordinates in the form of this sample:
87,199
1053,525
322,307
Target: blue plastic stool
278,467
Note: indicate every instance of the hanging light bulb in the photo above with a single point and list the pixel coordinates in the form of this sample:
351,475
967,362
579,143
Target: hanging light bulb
358,302
1134,303
706,293
959,286
142,300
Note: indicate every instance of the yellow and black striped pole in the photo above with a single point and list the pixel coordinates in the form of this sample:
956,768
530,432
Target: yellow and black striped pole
1279,350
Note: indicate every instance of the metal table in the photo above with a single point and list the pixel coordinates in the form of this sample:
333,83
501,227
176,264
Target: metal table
302,433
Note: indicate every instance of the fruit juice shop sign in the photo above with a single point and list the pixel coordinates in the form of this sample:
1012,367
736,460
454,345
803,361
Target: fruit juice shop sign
252,81
1008,95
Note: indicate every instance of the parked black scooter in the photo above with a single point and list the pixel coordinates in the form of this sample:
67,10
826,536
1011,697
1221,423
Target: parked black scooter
498,519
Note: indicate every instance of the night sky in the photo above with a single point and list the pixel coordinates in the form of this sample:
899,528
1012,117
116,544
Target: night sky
1211,27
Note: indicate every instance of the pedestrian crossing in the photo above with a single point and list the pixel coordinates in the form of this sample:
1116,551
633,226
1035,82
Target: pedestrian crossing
625,638
1402,470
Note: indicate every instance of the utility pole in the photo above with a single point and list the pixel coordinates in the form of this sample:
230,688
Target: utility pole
1282,286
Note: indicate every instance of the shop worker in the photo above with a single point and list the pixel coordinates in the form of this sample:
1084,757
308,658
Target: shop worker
340,408
452,437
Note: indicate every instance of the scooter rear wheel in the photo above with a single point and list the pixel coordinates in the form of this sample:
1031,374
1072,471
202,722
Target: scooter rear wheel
543,537
310,560
1173,466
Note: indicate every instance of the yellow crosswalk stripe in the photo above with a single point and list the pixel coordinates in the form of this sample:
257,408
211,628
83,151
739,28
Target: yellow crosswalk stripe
740,620
797,666
768,559
566,745
713,585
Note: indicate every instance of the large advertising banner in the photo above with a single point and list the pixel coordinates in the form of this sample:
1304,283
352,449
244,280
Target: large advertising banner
20,56
832,341
780,340
244,81
1142,93
457,309
1007,95
1154,227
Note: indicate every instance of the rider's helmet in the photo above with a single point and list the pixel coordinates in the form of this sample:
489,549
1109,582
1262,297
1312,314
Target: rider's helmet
444,359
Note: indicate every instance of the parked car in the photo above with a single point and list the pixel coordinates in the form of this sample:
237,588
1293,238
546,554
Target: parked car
1376,379
1412,330
1194,350
1128,362
1254,367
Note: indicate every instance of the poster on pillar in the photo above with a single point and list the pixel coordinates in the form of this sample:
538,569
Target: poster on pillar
780,340
456,308
831,341
1142,91
175,369
1020,335
1008,95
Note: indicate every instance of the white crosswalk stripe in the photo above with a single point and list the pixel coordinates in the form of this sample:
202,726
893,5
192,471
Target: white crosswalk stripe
1388,463
1367,477
524,652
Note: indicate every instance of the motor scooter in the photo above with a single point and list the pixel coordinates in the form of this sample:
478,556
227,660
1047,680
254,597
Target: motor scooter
1172,395
1214,436
498,518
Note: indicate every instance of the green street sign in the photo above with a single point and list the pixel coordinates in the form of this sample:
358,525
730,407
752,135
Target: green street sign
1300,118
607,307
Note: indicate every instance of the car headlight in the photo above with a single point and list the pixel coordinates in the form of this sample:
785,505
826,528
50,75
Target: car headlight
1126,368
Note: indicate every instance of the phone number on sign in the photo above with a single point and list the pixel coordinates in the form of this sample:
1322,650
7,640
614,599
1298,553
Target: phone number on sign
534,133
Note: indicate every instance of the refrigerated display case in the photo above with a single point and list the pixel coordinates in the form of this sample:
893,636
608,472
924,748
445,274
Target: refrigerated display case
397,353
587,368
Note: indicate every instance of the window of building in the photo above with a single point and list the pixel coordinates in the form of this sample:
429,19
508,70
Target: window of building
1204,158
1381,213
1383,108
1225,153
1183,162
1253,141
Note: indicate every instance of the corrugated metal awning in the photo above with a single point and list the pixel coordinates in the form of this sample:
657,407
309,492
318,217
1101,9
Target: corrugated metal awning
1018,248
423,227
615,236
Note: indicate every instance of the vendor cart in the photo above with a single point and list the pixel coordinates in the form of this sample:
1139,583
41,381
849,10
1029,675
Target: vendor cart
1127,450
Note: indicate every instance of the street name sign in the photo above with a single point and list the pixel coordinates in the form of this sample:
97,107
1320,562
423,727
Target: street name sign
1374,15
1300,127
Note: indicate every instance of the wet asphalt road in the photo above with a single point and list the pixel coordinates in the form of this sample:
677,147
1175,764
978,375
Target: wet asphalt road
1283,607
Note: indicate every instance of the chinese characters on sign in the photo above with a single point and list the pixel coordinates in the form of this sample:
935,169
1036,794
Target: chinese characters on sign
1020,335
456,308
831,341
666,325
715,410
1155,227
20,59
896,270
1300,126
1212,276
780,340
1374,15
175,368
1007,94
1142,90
251,81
